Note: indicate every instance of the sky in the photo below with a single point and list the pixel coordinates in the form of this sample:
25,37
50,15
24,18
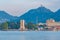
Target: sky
19,7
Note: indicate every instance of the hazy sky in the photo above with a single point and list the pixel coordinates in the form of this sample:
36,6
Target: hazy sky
18,7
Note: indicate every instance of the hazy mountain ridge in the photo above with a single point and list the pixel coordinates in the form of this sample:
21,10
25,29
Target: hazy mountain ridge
57,15
4,16
41,14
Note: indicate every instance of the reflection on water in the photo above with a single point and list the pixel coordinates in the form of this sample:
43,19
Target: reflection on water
29,35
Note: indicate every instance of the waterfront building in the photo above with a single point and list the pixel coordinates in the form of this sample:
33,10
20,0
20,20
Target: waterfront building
41,26
52,24
22,25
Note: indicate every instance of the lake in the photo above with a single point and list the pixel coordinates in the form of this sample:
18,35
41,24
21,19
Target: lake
29,35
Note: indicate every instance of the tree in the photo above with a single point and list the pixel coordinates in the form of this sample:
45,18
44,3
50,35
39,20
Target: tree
14,25
5,26
30,25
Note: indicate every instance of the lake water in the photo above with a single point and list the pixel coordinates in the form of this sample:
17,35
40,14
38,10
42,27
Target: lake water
29,35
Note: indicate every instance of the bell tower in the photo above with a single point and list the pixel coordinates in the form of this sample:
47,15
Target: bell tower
22,25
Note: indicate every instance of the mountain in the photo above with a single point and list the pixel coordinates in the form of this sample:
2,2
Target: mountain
41,14
57,15
4,16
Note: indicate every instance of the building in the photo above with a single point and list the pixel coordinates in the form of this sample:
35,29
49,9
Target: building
22,25
52,24
41,26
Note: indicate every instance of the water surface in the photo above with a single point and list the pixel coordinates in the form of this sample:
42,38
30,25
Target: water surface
29,35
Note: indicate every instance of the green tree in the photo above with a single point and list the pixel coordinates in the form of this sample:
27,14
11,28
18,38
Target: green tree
30,25
5,26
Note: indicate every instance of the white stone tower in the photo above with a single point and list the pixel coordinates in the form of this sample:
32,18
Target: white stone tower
22,25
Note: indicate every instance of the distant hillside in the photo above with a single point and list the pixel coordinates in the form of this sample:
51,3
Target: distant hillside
4,16
40,14
57,15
